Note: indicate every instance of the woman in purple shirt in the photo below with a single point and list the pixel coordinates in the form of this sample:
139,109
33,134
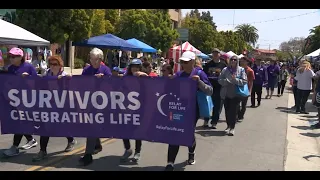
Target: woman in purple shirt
273,71
93,145
21,68
55,70
134,69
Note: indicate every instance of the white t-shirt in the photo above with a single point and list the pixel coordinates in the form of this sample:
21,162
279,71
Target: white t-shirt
304,79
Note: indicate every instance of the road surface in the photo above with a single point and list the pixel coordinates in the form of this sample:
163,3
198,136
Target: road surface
259,144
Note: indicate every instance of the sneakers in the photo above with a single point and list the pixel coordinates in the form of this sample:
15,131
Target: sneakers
240,119
40,156
205,124
316,126
169,167
227,130
214,126
259,104
231,132
86,160
136,157
126,155
30,144
191,160
70,146
12,151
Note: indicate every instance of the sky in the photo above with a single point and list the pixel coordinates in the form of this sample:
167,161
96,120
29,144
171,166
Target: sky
271,34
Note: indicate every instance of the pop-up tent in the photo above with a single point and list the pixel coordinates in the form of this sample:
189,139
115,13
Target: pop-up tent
109,41
203,56
314,53
11,34
175,51
144,47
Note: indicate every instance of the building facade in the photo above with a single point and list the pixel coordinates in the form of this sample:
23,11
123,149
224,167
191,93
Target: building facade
264,54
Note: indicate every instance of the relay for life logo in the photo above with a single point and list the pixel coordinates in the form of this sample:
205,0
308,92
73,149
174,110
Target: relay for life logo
173,107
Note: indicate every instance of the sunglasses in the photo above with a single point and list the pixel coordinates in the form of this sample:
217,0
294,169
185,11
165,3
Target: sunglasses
54,64
233,59
12,57
184,62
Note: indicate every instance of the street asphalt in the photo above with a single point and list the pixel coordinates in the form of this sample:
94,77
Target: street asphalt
259,144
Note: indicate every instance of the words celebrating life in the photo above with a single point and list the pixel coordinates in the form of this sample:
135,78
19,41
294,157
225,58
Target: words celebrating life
66,106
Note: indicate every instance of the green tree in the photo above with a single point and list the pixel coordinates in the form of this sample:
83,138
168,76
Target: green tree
112,15
202,34
55,25
292,48
206,16
150,26
234,42
249,33
98,23
315,40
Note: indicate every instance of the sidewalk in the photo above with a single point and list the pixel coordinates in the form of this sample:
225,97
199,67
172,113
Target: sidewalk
302,142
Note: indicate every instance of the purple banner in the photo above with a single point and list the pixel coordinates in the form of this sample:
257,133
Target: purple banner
152,109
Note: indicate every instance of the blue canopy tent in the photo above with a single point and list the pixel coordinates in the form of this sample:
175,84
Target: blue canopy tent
109,41
203,56
145,47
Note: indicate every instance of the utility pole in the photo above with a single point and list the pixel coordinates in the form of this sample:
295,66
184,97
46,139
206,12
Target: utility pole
234,13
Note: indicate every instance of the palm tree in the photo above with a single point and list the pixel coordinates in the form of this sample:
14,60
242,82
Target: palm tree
249,33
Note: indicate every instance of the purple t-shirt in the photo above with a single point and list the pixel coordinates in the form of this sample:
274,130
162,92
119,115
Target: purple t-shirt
90,71
273,71
23,68
195,71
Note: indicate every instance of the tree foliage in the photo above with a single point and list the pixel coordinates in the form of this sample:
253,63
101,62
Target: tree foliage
315,40
248,32
150,26
291,49
204,36
55,25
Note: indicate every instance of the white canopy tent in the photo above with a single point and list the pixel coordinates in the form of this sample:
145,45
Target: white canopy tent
240,56
11,34
314,53
230,53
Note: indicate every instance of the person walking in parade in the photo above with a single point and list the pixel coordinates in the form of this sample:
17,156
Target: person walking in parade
93,145
261,78
244,61
231,77
166,70
213,70
187,61
273,72
135,69
55,70
304,77
282,79
21,68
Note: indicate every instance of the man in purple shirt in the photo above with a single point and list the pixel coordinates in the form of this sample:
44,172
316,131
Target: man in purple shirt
273,71
187,62
261,77
21,68
93,145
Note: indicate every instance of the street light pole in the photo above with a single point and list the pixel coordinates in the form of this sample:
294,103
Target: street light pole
234,13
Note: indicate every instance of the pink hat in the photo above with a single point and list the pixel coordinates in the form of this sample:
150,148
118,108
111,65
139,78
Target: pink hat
16,51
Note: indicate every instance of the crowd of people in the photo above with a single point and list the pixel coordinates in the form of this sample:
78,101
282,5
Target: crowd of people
219,78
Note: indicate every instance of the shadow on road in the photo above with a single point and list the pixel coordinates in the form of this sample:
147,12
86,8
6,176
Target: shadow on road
106,163
302,127
310,134
310,156
286,110
208,133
